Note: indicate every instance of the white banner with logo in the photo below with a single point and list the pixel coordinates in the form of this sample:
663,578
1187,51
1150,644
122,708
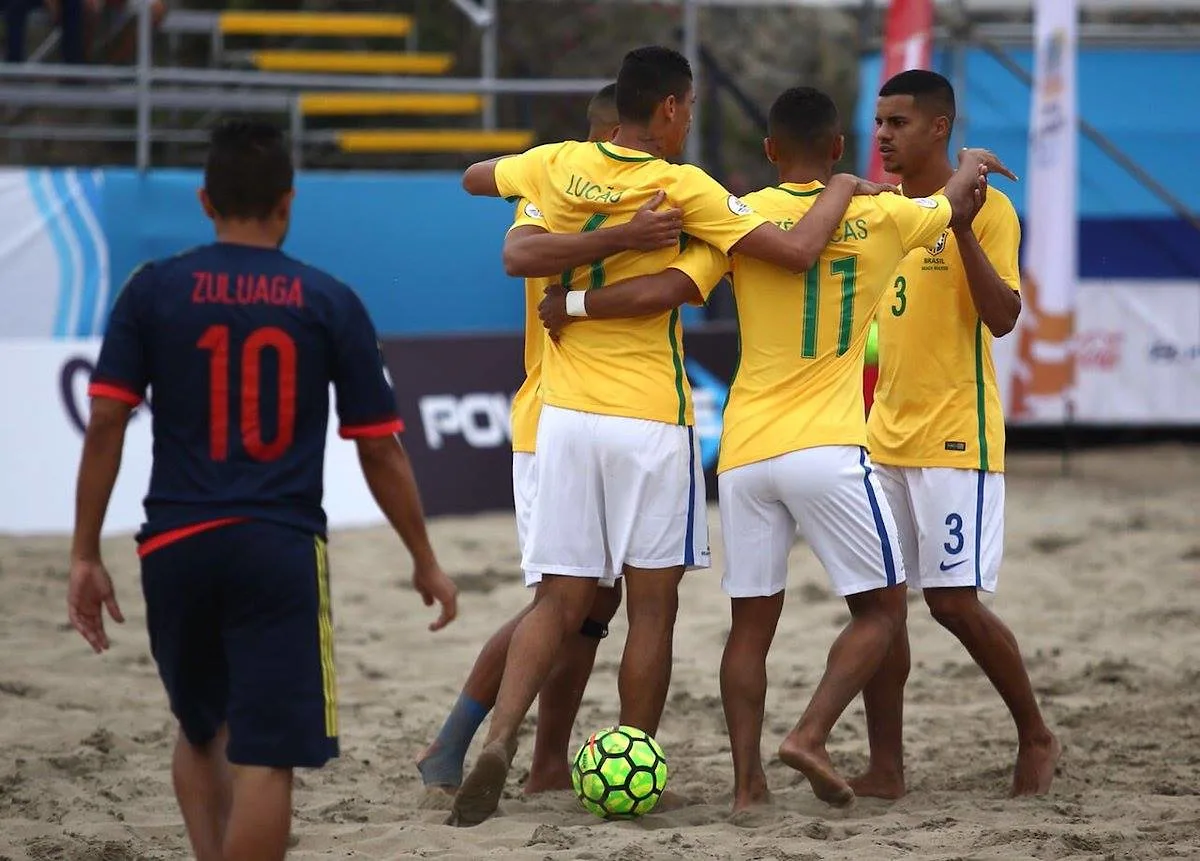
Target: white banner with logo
1051,230
45,383
1137,356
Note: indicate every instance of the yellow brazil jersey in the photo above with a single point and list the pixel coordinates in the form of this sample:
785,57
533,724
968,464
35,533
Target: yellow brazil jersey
631,368
803,337
936,402
527,405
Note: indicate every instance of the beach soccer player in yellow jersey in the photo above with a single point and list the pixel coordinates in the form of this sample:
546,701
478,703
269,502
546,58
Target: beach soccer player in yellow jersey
937,432
619,482
793,446
530,250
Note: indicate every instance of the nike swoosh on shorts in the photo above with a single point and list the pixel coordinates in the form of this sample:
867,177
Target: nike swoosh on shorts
946,567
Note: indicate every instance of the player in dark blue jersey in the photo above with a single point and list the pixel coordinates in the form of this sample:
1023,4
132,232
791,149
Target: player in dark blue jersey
238,344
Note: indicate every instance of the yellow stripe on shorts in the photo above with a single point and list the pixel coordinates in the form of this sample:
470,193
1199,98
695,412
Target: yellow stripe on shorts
325,635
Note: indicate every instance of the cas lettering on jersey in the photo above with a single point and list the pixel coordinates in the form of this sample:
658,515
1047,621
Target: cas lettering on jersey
480,419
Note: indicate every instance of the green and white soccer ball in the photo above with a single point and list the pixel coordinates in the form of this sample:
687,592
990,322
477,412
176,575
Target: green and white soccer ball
619,772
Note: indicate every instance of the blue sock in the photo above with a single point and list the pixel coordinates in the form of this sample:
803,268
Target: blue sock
444,765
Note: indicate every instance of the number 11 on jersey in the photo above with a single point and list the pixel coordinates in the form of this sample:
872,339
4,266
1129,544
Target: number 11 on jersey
846,269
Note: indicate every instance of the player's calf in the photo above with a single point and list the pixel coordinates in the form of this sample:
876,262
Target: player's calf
876,617
651,605
261,814
744,692
994,648
561,695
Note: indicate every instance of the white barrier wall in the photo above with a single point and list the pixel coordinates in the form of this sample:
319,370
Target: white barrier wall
1138,347
41,439
1137,355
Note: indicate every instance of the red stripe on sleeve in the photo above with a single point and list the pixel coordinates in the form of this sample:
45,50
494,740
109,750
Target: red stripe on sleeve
387,428
117,393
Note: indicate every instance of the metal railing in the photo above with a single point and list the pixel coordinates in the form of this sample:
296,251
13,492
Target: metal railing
146,87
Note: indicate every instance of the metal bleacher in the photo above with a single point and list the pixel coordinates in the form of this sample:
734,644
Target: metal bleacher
337,97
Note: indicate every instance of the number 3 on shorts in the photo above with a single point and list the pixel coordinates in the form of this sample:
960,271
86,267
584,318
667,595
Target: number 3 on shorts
955,523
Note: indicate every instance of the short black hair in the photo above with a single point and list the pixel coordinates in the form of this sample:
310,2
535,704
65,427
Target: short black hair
603,105
648,75
803,121
930,91
248,170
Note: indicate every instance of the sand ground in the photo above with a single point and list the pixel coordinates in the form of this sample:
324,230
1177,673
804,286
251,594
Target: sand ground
1101,584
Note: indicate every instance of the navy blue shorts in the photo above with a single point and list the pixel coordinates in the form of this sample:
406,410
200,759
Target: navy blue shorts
241,630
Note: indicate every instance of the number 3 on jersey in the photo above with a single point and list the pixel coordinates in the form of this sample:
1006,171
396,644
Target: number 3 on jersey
901,300
215,340
845,268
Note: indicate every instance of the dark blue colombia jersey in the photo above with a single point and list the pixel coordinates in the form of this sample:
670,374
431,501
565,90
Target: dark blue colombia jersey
238,346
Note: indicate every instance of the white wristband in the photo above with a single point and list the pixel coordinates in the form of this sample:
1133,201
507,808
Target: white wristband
576,306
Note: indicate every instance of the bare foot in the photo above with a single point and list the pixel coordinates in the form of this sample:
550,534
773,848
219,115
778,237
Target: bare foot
815,764
437,798
670,800
479,796
1036,762
888,785
755,796
551,781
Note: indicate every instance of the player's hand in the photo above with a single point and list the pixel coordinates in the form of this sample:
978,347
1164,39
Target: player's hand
553,310
963,218
987,158
433,584
649,229
89,589
866,187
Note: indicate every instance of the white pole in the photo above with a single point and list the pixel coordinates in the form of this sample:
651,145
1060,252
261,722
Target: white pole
691,50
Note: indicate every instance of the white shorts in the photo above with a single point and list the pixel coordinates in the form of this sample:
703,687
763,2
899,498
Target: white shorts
614,491
524,492
951,524
830,493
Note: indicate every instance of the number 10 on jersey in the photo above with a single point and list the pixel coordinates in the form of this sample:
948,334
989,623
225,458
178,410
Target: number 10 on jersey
846,270
215,341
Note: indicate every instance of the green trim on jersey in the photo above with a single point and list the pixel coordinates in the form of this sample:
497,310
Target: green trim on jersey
600,146
811,193
981,397
677,360
597,268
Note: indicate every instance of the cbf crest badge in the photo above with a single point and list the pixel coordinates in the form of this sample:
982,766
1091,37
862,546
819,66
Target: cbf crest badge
940,246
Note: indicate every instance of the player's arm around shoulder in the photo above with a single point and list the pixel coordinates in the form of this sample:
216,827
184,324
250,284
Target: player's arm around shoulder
989,247
799,248
689,280
532,251
505,175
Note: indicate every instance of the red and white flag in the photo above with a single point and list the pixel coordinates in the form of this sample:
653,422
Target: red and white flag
907,44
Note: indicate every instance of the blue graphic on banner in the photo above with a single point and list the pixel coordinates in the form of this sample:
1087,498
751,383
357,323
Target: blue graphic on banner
709,393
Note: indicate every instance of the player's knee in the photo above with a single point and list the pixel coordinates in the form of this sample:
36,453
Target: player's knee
952,608
568,599
886,607
605,605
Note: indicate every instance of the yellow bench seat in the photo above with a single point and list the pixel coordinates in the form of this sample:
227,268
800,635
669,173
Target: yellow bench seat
434,140
352,63
312,24
376,104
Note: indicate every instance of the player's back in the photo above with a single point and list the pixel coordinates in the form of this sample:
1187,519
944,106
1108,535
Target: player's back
622,367
239,348
803,337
